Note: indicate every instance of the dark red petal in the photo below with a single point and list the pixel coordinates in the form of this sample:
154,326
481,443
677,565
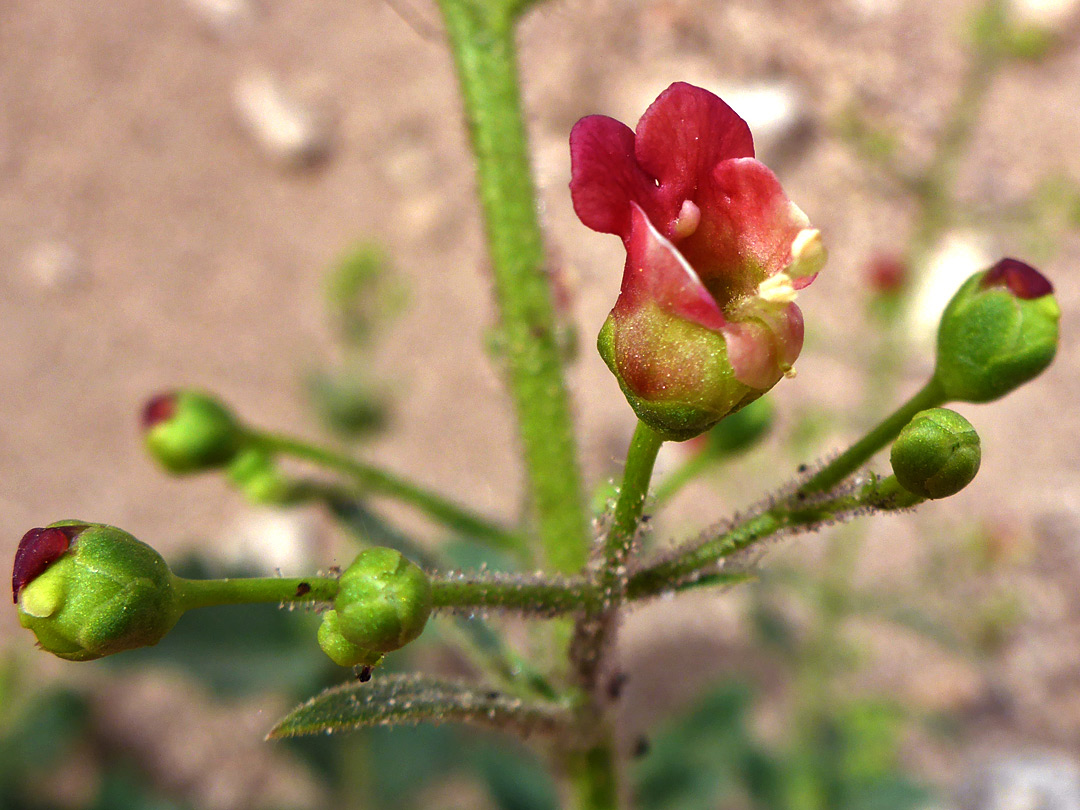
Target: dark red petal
1023,280
682,136
38,549
604,175
159,409
657,274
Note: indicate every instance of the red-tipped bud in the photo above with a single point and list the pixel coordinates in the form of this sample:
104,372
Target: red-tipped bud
999,331
887,274
187,431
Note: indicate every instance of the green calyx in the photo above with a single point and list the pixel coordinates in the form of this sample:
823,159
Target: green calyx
681,411
189,432
937,454
107,593
383,603
992,340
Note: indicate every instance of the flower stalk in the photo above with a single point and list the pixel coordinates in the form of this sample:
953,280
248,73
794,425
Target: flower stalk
374,479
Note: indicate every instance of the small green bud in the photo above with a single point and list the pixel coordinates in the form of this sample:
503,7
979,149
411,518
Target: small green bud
89,590
188,432
937,454
342,651
999,331
383,603
255,473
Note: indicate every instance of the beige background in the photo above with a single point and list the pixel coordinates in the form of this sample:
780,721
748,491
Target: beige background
197,260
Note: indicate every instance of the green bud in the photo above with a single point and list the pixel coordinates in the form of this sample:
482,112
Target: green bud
937,454
255,473
342,651
383,603
999,331
89,590
188,432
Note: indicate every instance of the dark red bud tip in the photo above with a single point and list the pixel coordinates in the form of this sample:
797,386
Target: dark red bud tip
38,549
886,274
158,409
1023,280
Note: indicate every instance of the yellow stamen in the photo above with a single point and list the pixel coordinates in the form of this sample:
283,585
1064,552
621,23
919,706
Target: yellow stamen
777,289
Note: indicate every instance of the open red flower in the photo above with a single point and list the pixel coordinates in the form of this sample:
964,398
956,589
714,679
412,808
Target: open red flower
705,321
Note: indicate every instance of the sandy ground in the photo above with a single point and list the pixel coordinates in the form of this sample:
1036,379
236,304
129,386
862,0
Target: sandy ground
147,241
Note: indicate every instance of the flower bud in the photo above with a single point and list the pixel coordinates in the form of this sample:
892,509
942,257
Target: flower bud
89,590
999,331
937,454
256,474
188,432
383,603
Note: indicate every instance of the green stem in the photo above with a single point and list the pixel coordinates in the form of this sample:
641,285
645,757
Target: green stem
593,778
197,593
374,479
929,396
482,38
595,627
529,595
640,459
661,576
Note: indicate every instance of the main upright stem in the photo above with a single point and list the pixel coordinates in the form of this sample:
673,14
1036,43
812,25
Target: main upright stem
481,34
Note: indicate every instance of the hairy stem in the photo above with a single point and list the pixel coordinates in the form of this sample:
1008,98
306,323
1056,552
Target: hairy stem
595,628
197,593
482,38
637,474
374,479
929,396
525,594
661,576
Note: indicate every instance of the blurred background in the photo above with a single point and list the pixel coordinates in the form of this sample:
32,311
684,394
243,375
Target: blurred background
273,200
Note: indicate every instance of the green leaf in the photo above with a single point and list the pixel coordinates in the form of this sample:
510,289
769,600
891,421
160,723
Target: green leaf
400,699
515,779
693,761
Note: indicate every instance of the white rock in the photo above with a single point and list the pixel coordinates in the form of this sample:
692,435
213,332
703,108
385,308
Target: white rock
1043,13
957,256
54,265
223,17
873,9
273,541
1033,781
774,111
285,128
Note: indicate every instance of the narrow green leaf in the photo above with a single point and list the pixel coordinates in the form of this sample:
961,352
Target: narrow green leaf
399,699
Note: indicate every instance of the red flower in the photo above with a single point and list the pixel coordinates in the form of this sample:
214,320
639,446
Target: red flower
705,321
